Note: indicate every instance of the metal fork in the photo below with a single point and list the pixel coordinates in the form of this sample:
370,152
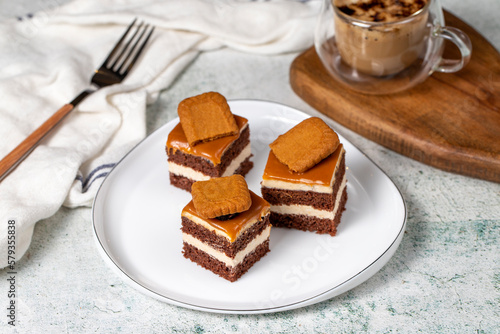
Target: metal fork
115,68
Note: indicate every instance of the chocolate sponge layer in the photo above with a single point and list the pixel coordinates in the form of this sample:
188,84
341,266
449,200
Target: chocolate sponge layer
219,268
311,223
185,183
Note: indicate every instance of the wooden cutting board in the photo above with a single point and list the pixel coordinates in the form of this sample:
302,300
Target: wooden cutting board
451,121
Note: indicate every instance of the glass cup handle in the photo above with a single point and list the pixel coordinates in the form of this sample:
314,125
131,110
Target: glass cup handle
462,41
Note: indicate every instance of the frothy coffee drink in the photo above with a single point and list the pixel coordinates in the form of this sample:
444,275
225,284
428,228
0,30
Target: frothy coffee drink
380,37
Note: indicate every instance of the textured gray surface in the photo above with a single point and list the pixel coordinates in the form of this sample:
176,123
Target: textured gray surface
445,276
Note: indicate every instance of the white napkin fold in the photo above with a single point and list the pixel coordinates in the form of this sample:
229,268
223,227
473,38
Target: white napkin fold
48,58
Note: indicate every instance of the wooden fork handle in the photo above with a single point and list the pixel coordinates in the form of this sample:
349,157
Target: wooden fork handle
22,150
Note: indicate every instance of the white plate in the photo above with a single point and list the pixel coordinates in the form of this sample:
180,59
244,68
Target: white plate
136,217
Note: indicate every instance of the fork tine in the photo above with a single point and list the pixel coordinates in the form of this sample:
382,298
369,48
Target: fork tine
125,47
139,51
131,50
117,45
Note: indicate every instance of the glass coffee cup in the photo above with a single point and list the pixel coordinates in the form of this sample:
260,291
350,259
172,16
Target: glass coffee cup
375,48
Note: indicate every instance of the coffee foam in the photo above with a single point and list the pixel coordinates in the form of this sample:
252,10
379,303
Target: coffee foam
380,10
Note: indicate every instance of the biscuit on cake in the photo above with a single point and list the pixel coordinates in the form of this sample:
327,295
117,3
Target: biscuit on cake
305,145
221,196
206,117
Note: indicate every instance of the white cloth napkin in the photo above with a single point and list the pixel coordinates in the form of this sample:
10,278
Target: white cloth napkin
48,58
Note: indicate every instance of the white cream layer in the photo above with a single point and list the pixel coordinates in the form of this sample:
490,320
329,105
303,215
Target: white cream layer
309,210
198,176
302,186
189,239
296,186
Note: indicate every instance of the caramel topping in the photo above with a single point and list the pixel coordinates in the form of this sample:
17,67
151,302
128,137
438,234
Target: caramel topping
212,150
233,227
321,174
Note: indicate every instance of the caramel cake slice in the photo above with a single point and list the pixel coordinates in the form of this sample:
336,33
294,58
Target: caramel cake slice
230,244
208,142
313,199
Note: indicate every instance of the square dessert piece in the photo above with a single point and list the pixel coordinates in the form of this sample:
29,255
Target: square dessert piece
312,200
230,244
215,150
